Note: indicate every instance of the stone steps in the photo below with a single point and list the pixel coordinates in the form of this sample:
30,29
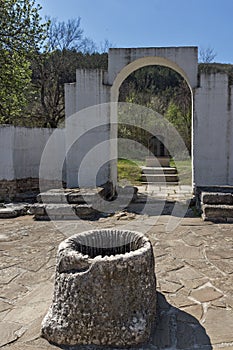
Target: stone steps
160,178
159,170
217,206
75,204
71,196
62,211
160,183
159,175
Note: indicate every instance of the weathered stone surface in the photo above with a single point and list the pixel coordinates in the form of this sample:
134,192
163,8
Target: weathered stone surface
6,213
85,195
12,291
33,332
183,251
104,290
8,274
205,294
170,287
219,303
219,324
179,300
4,306
27,244
37,209
220,253
193,284
26,314
194,310
188,273
217,212
19,189
8,332
224,266
85,211
53,196
59,211
216,198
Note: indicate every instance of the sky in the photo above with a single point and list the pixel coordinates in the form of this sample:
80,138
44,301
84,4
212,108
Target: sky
152,23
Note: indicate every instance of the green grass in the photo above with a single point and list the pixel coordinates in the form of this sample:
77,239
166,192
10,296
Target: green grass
129,171
184,168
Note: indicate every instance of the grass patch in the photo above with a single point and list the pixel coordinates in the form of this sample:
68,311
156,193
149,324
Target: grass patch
184,168
129,171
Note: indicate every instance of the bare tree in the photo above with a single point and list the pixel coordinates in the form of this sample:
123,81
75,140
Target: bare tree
105,46
207,55
68,36
65,50
64,40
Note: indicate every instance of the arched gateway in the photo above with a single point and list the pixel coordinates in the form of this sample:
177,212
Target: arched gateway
212,139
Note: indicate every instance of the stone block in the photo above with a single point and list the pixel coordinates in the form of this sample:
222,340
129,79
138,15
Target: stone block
85,195
84,211
7,213
217,212
217,198
105,290
59,209
37,209
56,196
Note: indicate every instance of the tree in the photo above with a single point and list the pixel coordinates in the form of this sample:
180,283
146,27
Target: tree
65,50
164,91
207,55
21,34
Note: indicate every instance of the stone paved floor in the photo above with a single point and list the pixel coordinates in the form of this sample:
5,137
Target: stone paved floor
193,264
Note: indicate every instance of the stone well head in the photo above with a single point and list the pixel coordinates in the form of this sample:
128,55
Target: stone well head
105,290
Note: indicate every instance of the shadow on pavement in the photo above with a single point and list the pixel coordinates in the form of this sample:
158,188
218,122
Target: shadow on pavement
174,330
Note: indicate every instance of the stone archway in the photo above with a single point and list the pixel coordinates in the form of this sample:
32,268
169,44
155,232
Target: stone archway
174,62
143,62
212,112
95,87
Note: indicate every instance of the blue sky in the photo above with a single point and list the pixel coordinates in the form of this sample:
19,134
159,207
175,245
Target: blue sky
143,23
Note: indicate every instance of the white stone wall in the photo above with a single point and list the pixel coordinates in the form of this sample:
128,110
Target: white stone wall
87,129
181,59
230,137
212,132
6,153
21,150
212,114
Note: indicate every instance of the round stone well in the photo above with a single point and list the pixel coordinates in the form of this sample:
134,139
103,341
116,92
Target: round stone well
105,290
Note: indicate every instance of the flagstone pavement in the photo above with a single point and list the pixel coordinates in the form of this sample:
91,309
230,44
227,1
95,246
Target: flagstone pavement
193,266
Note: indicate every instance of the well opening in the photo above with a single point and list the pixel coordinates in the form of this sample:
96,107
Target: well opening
107,242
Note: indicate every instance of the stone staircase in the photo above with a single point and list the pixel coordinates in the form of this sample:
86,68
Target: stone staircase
75,204
217,204
159,175
158,171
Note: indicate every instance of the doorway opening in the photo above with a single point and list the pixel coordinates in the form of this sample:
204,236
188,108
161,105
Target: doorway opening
161,94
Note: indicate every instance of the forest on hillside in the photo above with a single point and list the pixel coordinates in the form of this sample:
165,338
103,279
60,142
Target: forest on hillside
38,58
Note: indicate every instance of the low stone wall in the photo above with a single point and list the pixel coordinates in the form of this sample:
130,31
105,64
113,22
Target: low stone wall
11,189
21,150
25,189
